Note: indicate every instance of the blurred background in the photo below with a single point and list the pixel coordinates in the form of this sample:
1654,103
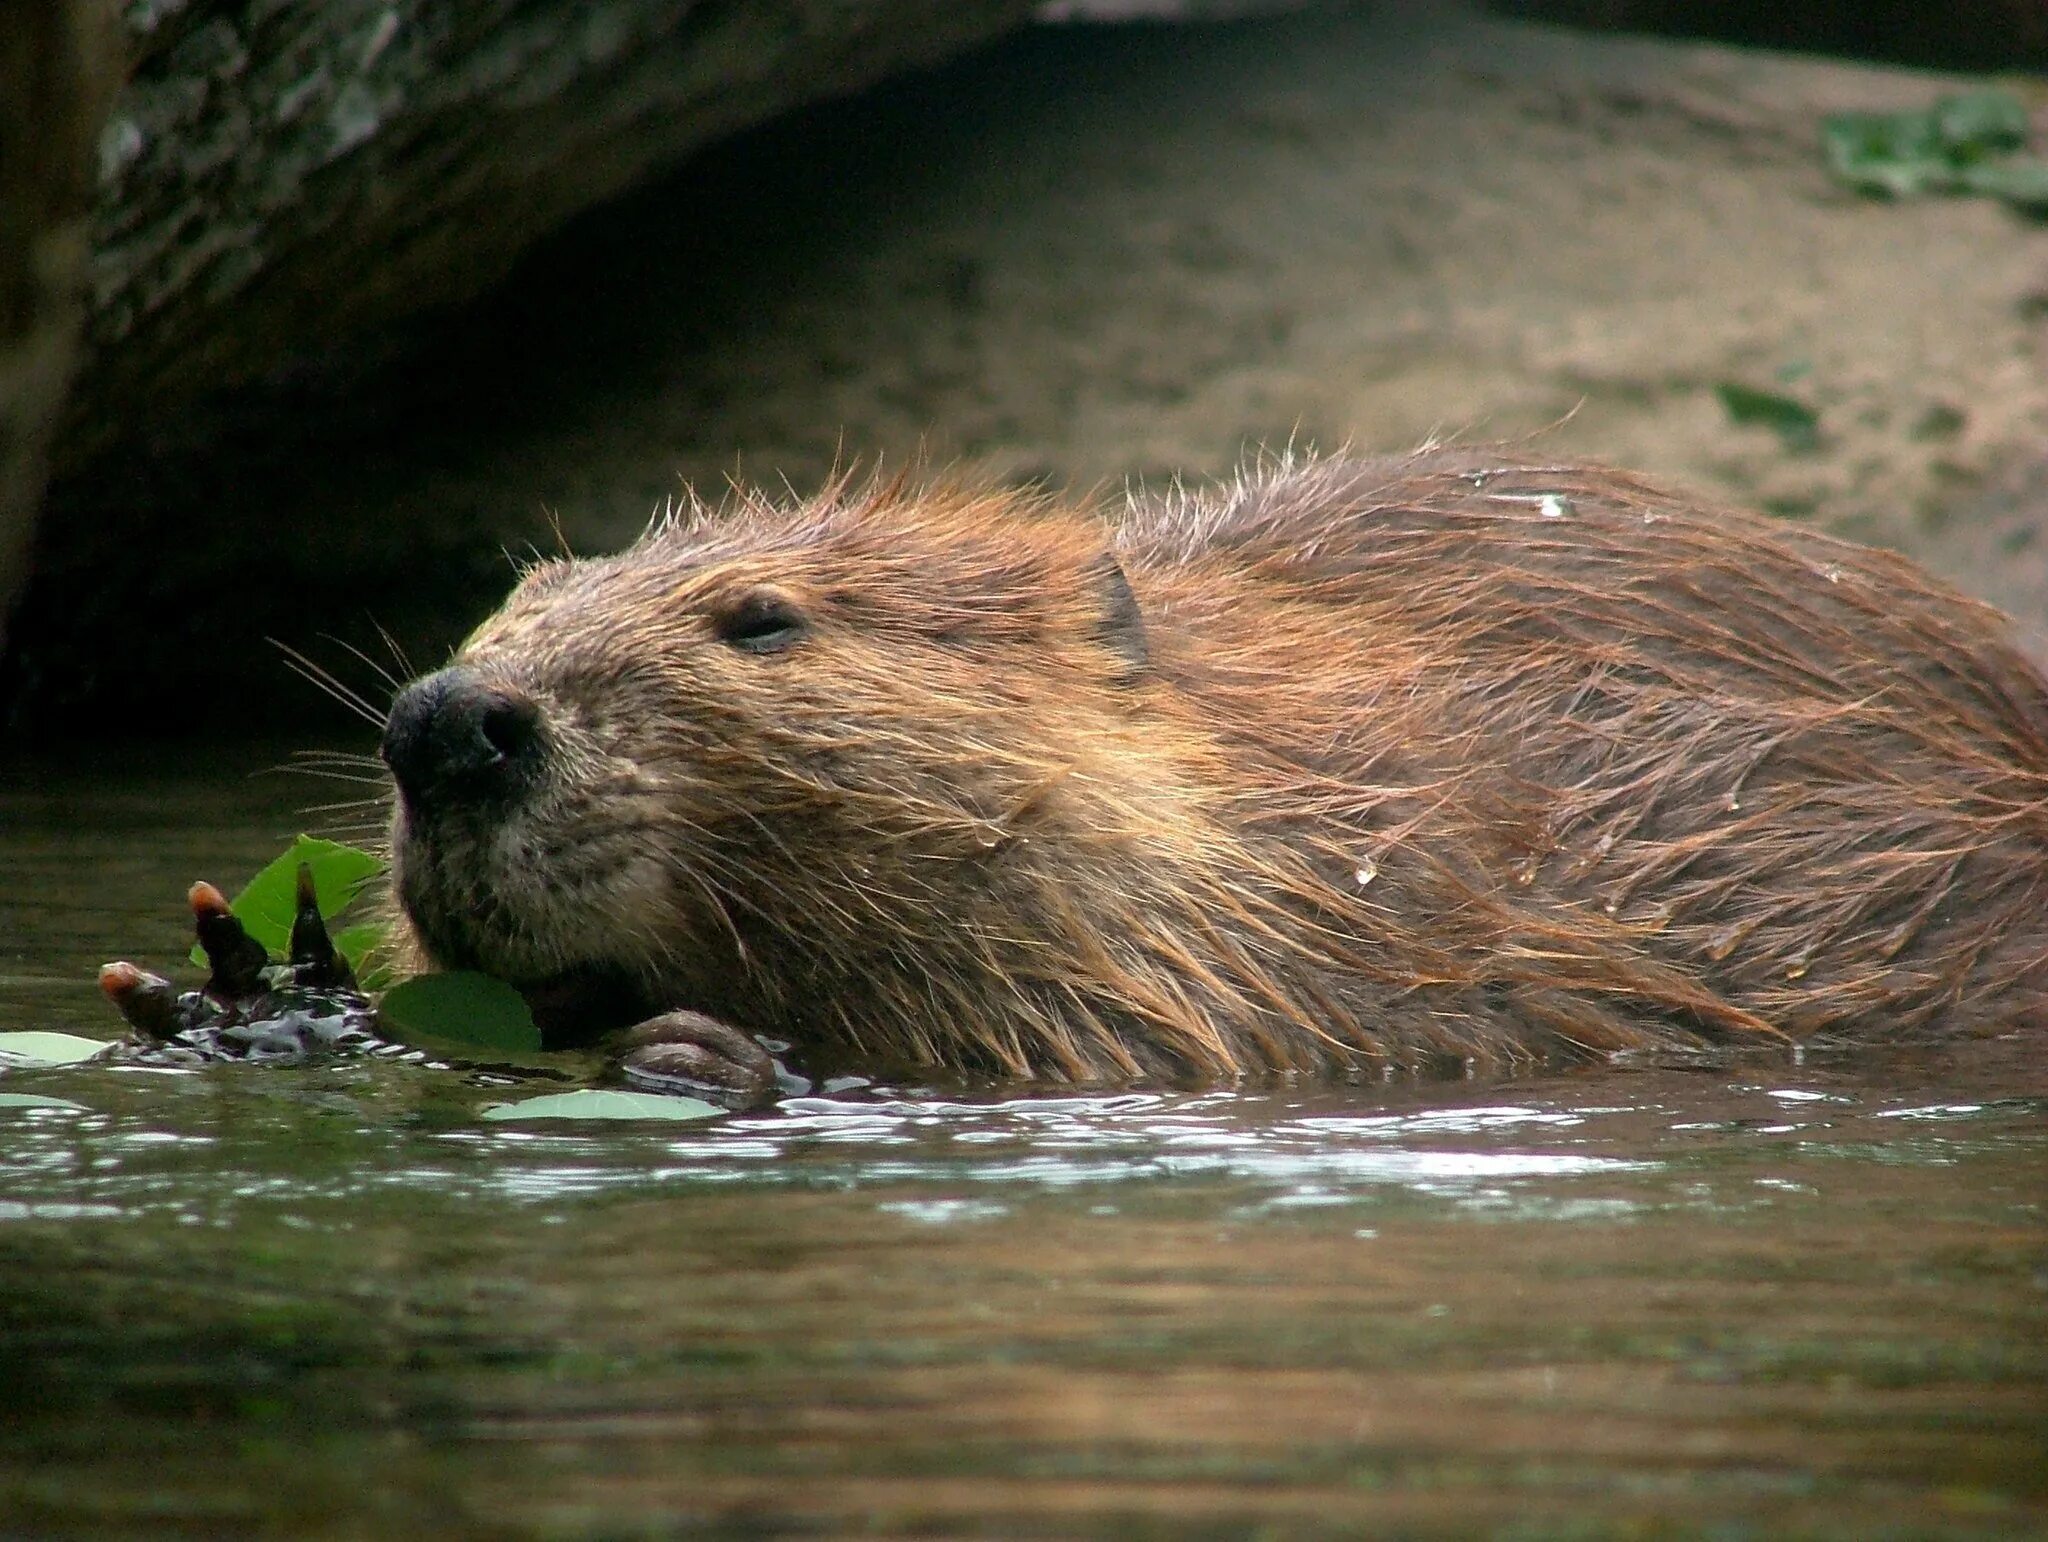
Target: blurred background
312,315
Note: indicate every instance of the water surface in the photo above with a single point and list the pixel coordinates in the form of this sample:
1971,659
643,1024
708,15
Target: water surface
1766,1300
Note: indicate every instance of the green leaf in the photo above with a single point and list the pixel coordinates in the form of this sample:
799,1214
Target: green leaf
2021,181
596,1103
1794,422
1980,123
268,901
38,1100
1899,154
362,945
462,1008
1892,154
36,1048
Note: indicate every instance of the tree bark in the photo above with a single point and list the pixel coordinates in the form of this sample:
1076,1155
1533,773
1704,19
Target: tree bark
281,180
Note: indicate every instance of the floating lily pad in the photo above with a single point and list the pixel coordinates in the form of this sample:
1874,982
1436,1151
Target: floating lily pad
39,1048
268,901
595,1103
463,1008
38,1100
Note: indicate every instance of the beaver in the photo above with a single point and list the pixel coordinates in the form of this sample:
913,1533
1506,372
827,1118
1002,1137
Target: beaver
1349,766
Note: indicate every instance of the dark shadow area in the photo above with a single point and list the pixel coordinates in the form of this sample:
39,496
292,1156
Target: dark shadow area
172,636
1978,35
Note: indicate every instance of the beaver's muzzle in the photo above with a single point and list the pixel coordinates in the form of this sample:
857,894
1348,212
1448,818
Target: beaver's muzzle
453,741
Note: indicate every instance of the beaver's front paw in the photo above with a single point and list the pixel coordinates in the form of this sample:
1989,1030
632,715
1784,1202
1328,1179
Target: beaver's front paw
690,1053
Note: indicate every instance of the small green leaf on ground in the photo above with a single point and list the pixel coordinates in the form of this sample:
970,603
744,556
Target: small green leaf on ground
1795,423
1980,123
1968,143
597,1103
2021,182
462,1008
38,1100
268,901
1893,155
20,1051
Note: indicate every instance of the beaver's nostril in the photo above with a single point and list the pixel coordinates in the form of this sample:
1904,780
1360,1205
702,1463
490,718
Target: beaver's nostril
450,738
509,727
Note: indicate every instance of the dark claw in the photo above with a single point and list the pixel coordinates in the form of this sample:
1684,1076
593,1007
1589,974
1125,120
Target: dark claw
315,962
238,959
249,1009
148,1001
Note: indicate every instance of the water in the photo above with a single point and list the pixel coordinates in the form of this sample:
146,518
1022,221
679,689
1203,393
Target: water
1774,1300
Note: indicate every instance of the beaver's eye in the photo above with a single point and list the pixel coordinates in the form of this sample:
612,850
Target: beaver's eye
762,621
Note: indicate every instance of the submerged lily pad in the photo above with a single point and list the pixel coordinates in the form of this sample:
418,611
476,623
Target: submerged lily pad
39,1048
463,1008
595,1103
270,900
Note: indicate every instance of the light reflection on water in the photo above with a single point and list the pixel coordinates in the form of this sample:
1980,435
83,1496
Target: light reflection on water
1589,1306
1289,1150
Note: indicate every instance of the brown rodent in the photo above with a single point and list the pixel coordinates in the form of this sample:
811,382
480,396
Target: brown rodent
1352,765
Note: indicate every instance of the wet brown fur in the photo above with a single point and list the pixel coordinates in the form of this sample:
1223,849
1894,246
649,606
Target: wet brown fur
1451,755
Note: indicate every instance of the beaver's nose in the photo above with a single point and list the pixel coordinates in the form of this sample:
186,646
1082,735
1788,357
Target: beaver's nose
450,738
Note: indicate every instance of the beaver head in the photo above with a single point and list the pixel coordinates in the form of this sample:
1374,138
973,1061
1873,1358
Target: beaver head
764,763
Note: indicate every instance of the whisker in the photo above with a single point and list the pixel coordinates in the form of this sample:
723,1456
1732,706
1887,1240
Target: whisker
351,833
324,678
405,665
373,665
338,757
331,765
346,806
323,774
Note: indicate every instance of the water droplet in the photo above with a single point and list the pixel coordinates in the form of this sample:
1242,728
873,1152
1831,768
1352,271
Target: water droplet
1723,942
1832,572
1798,967
1552,506
1652,517
1366,871
1605,844
1733,802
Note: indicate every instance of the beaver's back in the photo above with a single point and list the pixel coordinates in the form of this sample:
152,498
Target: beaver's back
1552,721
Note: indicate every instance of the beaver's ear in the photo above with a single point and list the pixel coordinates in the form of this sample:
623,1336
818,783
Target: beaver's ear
1119,625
